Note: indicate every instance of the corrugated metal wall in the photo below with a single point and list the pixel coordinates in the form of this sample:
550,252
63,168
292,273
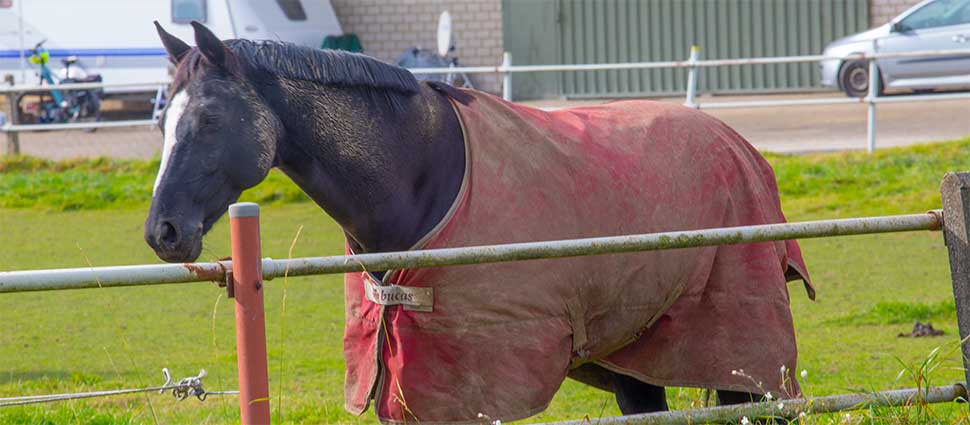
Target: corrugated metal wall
603,31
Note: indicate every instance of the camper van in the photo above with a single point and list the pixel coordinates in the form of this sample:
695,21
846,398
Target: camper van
116,38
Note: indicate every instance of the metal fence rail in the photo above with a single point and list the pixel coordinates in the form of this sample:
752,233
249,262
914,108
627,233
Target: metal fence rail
32,88
12,128
694,63
94,277
832,101
503,69
789,409
18,128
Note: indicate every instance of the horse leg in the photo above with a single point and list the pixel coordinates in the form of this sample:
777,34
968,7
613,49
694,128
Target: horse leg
725,398
634,396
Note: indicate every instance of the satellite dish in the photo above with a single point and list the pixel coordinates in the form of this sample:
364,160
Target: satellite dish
444,33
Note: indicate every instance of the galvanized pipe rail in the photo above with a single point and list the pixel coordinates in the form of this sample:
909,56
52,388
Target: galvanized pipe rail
502,69
78,278
832,101
693,63
788,409
508,68
17,128
33,88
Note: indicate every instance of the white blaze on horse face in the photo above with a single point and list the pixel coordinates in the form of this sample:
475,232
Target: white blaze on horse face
172,117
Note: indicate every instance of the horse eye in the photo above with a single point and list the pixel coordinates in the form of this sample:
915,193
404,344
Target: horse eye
209,121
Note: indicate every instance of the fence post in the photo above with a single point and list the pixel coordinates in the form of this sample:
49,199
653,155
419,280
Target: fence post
247,281
506,76
955,192
692,77
871,99
13,137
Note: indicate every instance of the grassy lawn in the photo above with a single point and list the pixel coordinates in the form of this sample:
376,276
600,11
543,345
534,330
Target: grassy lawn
52,215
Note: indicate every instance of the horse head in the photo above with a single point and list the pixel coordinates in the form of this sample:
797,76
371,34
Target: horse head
220,138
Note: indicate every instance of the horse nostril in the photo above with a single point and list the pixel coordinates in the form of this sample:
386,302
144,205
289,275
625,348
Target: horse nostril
167,234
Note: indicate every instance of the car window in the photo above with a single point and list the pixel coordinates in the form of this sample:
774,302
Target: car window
185,11
940,13
293,9
961,16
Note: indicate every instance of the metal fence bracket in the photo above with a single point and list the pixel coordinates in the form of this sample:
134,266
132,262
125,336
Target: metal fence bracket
230,287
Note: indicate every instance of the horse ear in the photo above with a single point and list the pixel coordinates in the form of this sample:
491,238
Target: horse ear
212,47
176,48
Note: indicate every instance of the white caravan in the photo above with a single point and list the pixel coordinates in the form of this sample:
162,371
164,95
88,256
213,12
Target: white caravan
116,38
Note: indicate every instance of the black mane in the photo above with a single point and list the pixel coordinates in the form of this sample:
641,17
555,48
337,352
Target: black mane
332,67
329,67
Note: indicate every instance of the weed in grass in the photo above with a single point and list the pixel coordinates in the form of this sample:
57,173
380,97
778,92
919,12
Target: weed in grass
922,372
215,347
120,329
919,374
286,275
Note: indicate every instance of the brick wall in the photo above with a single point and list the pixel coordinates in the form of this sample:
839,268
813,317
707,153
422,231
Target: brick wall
388,27
881,11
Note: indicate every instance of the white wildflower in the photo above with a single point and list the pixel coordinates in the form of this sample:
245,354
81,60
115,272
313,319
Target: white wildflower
804,374
781,406
768,396
783,370
745,421
802,415
848,418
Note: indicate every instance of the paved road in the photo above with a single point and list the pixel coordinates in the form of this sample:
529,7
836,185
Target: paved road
776,129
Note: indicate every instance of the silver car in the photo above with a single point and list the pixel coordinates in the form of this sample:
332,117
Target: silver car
930,25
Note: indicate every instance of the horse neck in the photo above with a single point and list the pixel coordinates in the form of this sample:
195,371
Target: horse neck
386,175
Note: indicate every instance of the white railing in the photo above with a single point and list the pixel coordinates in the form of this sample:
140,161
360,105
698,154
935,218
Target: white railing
506,69
693,63
19,128
32,88
13,94
697,63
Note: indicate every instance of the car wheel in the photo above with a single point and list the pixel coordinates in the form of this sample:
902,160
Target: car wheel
854,79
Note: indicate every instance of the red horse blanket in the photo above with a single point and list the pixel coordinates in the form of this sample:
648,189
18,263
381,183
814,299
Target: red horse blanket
499,339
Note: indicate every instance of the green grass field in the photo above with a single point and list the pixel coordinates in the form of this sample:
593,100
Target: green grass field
52,215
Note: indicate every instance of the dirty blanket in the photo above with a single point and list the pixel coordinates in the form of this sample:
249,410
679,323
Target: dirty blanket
500,338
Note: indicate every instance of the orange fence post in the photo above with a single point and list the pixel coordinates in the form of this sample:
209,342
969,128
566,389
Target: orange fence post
247,280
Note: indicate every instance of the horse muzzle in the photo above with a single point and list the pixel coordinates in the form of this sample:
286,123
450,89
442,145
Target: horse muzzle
172,241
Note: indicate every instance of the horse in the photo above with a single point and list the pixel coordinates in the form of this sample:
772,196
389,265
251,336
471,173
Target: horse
388,158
